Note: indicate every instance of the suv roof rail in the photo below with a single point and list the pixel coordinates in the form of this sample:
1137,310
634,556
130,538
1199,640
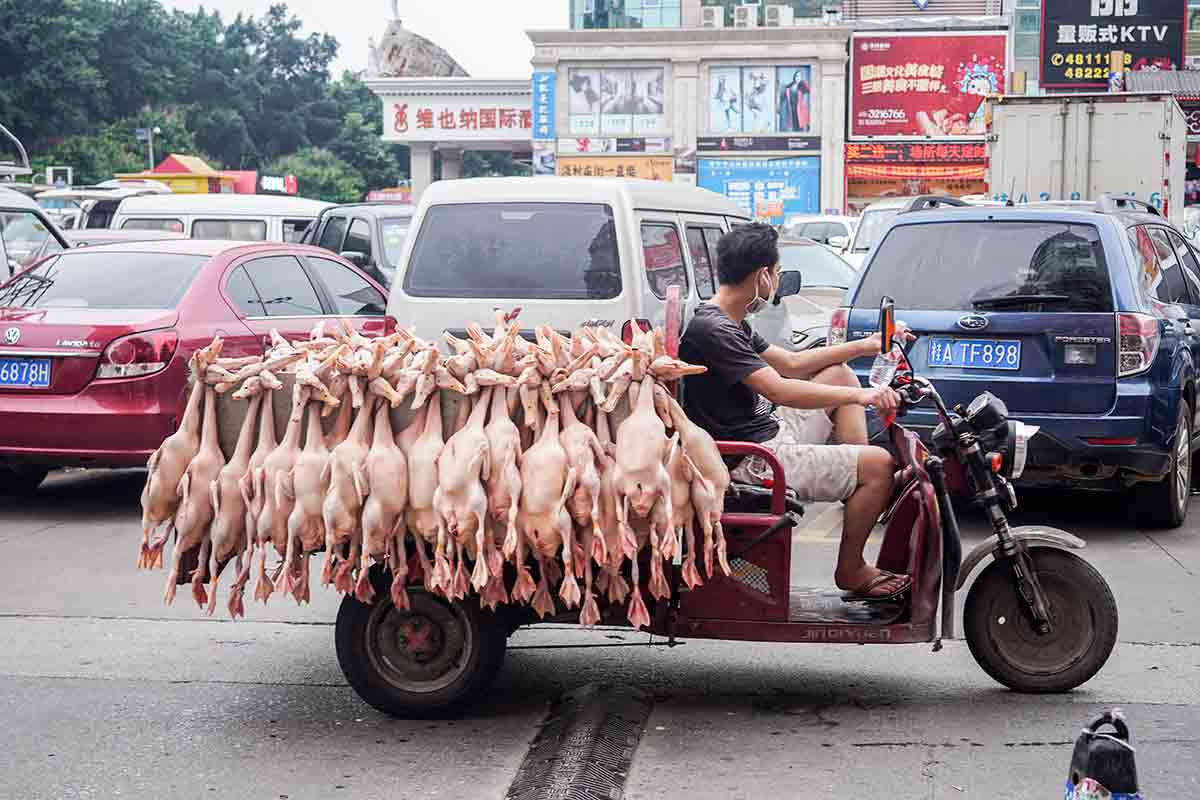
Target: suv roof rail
924,201
1109,203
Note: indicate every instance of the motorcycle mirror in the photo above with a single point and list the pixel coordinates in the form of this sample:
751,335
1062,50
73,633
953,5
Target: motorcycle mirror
887,323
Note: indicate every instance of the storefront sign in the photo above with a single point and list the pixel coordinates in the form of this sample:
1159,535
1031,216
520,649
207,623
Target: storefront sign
441,119
760,99
655,168
768,189
543,106
927,85
905,152
614,102
396,194
749,144
592,145
1078,35
277,184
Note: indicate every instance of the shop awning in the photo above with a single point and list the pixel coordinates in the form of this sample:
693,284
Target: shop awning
1184,84
966,172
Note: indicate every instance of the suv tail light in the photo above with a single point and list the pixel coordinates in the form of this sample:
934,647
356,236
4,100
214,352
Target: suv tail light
138,354
1138,337
837,326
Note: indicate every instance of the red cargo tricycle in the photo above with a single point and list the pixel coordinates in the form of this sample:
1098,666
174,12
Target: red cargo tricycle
1038,618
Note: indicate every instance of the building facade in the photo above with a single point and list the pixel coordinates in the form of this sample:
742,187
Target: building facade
756,114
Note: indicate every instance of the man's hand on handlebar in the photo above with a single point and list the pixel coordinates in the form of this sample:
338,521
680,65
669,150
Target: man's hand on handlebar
872,344
883,399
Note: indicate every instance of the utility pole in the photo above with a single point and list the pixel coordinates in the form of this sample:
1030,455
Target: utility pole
150,142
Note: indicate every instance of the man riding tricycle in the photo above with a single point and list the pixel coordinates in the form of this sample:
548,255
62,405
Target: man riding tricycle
792,429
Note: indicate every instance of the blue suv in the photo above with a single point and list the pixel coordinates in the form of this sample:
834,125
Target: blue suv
1083,317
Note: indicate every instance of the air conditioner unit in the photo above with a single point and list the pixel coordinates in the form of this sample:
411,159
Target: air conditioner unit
780,16
745,17
712,17
1193,62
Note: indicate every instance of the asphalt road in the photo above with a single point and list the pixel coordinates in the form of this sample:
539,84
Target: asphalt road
106,693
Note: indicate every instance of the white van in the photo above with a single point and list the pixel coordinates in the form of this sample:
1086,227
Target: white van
239,217
567,251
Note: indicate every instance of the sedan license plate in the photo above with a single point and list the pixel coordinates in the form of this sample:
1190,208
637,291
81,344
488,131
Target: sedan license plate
26,373
975,353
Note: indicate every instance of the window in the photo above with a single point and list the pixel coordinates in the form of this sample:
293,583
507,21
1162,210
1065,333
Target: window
244,295
816,265
25,239
395,234
90,279
870,225
549,251
663,255
358,239
703,267
619,101
820,231
1193,16
284,288
153,224
760,99
1171,286
294,229
1027,29
352,296
1191,268
331,237
237,230
992,261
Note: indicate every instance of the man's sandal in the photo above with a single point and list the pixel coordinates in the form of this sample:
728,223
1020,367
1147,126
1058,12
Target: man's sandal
869,591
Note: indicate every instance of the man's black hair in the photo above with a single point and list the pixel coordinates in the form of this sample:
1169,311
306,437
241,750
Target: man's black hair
745,249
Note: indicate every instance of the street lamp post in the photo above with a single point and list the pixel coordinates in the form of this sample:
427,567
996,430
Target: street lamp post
150,142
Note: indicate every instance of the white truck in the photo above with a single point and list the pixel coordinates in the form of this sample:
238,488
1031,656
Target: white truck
1078,147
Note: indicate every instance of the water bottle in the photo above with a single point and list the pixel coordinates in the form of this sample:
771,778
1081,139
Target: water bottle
885,367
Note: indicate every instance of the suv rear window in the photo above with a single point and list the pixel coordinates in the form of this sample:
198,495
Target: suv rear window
550,251
104,279
967,266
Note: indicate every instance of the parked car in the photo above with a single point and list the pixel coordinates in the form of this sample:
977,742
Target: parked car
89,207
26,233
237,217
1083,319
93,360
835,232
369,235
89,237
824,279
568,251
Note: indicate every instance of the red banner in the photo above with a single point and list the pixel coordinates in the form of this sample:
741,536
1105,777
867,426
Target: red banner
924,84
916,152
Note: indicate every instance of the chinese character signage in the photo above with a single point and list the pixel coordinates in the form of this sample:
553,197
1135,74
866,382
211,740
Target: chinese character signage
615,102
767,189
913,152
791,144
441,119
543,106
1078,35
653,168
760,99
927,85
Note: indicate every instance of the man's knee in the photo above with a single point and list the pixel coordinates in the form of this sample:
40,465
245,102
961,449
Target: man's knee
875,465
842,375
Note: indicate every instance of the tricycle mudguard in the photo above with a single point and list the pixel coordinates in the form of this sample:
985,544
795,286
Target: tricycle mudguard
1036,534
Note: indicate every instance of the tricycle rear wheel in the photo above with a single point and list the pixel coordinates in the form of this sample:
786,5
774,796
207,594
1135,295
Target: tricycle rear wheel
429,661
1002,637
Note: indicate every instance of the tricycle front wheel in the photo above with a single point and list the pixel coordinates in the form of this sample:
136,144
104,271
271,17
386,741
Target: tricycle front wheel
1004,642
431,660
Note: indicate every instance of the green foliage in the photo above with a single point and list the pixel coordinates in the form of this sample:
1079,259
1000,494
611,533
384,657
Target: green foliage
491,165
321,175
77,76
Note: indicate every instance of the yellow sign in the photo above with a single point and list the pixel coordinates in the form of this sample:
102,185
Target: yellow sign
654,168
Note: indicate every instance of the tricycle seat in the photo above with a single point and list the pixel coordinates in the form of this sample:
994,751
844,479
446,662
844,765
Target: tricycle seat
749,498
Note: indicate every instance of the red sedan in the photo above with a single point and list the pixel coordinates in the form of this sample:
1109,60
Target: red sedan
94,342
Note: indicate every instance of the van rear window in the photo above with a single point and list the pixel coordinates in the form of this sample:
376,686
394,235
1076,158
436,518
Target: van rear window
542,251
990,266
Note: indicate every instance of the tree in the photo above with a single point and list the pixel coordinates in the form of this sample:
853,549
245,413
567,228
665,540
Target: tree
320,174
478,164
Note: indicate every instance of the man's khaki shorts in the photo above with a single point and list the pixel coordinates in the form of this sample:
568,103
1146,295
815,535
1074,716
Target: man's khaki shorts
817,471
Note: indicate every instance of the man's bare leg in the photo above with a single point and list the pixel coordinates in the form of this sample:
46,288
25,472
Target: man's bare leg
862,512
849,422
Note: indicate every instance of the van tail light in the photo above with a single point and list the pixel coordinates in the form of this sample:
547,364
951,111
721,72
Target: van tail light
1138,338
628,332
138,354
837,326
390,325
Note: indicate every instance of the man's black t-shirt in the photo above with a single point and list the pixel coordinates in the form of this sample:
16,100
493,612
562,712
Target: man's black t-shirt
718,400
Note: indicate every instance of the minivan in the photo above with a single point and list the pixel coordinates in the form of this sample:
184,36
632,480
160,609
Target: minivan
239,217
567,251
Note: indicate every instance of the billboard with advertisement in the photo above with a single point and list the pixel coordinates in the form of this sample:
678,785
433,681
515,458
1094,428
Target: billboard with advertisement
615,101
1078,35
759,99
768,189
654,168
442,119
927,85
543,106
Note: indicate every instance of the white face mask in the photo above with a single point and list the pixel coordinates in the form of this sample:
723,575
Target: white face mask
759,303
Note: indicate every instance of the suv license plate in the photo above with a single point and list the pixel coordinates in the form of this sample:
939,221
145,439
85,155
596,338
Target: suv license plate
25,373
975,353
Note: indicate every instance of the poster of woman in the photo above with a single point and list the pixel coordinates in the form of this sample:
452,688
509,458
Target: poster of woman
583,101
725,100
758,113
795,99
